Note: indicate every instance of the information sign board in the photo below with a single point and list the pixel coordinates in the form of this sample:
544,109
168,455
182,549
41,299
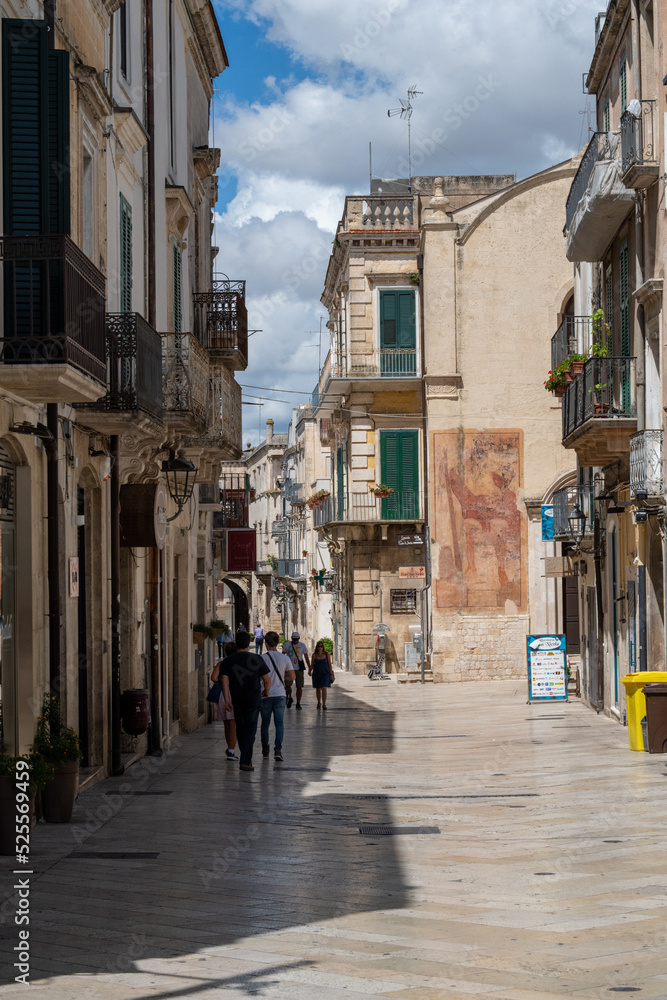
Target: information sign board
412,573
547,677
410,540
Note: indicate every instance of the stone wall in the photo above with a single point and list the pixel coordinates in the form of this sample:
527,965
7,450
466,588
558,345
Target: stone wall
481,648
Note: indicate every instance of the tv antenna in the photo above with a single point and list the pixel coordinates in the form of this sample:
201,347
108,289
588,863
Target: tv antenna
405,112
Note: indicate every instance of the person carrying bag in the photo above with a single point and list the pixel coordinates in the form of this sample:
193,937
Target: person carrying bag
281,670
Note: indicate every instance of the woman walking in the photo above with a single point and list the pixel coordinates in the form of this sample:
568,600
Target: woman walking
220,713
323,675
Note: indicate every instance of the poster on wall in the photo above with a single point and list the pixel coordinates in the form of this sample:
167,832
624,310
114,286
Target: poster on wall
547,522
547,676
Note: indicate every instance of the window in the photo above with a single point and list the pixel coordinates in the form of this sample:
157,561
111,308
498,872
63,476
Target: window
609,297
399,467
403,602
398,334
623,262
125,255
87,204
623,83
123,39
606,123
176,278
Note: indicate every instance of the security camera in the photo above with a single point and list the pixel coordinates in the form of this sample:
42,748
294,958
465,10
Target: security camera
641,516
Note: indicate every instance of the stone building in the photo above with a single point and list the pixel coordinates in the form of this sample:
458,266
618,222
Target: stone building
118,350
440,300
613,511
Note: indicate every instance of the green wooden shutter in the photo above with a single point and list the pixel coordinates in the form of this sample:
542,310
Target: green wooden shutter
177,269
623,262
607,116
125,255
340,483
25,117
399,461
59,153
398,335
623,83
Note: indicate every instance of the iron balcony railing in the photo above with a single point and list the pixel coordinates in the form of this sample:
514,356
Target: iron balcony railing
279,527
572,336
53,308
134,366
572,500
295,569
315,398
646,464
401,505
389,362
599,148
605,391
638,136
221,321
185,378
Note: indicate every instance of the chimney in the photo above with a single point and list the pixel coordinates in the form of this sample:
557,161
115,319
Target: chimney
269,430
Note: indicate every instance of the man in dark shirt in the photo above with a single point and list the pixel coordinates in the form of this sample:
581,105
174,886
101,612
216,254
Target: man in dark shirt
245,681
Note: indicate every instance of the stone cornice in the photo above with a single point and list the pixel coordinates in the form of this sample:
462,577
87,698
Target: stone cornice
649,295
209,38
606,43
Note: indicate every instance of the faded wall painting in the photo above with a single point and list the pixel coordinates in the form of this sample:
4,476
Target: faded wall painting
478,525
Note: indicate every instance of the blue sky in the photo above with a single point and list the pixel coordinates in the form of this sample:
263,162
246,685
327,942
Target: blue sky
310,83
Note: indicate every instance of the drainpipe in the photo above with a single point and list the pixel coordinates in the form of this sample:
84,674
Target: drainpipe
154,734
116,764
150,129
53,545
423,603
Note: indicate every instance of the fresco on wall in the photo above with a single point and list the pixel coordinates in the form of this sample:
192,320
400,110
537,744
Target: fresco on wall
478,526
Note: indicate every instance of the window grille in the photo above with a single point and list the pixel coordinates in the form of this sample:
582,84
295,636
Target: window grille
403,602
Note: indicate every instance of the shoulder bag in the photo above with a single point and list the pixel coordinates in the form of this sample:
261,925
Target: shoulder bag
276,671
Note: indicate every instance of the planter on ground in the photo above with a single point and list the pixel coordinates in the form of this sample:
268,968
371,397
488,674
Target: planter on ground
58,795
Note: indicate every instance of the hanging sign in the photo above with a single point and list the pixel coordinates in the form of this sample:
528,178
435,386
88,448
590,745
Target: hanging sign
412,573
547,676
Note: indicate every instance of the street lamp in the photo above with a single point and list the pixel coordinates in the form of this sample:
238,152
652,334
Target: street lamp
181,476
577,524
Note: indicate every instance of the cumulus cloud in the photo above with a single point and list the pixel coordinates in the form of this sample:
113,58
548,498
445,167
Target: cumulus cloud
501,82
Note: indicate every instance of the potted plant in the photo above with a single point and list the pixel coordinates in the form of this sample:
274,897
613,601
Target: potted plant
556,382
576,363
37,774
598,406
273,562
58,745
601,335
200,633
219,627
381,490
317,498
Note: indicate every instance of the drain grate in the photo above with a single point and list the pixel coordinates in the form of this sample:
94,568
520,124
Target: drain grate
395,831
544,873
625,989
116,855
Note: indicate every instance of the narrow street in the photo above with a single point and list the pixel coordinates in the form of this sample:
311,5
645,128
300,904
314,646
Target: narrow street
544,876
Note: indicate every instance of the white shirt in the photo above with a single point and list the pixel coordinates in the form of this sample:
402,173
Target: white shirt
296,651
277,663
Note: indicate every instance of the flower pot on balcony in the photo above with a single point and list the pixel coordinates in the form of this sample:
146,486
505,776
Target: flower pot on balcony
58,795
559,391
569,377
601,408
383,495
576,368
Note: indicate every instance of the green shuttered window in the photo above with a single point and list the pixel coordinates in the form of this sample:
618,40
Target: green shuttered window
125,255
399,457
623,262
623,83
176,277
398,334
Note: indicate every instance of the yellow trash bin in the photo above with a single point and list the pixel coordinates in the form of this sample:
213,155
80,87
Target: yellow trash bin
634,693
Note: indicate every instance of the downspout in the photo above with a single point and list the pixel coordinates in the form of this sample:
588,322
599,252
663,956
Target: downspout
150,129
423,602
597,558
116,763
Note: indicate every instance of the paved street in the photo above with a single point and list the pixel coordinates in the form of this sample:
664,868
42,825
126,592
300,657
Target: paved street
547,877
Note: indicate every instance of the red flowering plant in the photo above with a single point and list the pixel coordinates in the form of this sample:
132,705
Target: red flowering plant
555,379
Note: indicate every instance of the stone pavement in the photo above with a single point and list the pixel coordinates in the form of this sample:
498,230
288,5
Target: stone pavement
547,877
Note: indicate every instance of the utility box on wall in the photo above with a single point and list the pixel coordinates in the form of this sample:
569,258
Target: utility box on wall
241,550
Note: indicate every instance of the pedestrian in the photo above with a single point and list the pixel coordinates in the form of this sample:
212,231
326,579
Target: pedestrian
259,639
240,628
220,713
281,670
245,681
323,675
298,654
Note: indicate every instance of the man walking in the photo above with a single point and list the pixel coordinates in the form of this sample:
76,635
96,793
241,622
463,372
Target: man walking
245,681
281,671
298,653
259,639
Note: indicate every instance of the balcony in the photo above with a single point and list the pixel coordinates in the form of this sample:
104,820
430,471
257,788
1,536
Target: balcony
221,323
639,160
294,569
565,501
598,202
600,411
53,345
380,214
389,363
264,567
185,383
223,423
134,375
646,465
366,508
572,336
279,527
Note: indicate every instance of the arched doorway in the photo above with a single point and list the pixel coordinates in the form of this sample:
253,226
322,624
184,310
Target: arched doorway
241,605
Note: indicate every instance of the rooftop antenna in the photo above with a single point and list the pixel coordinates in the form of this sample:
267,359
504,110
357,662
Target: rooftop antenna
405,111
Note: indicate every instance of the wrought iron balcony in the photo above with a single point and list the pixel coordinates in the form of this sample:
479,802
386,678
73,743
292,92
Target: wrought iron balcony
646,464
572,336
389,362
639,159
366,508
221,322
53,312
185,381
597,149
565,501
279,527
600,410
134,367
598,202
